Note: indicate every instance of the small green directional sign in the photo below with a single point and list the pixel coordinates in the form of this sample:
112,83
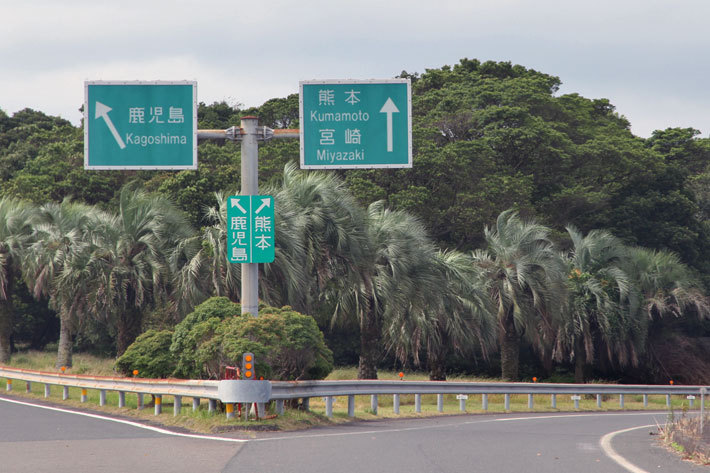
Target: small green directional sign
250,228
356,124
140,125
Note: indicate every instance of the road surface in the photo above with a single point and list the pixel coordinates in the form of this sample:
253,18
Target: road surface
43,438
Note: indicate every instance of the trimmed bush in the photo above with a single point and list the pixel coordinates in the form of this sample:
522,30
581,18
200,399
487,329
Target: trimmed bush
149,354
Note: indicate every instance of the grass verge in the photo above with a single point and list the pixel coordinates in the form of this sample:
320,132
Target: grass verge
683,436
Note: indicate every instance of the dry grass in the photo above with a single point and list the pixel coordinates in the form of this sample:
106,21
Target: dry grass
682,435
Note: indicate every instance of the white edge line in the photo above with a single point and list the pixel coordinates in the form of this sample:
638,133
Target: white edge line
605,444
127,422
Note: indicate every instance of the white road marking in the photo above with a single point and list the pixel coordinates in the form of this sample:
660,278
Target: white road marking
126,422
605,443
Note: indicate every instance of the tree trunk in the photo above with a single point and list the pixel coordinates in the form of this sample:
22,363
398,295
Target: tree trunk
64,352
128,327
370,334
579,362
509,349
436,359
6,311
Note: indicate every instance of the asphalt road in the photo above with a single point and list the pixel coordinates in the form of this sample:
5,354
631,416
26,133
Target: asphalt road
35,439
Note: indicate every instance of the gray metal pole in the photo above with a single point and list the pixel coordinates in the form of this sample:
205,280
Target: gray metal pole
250,186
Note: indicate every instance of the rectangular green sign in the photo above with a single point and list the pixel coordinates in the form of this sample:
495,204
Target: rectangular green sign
356,124
140,125
250,228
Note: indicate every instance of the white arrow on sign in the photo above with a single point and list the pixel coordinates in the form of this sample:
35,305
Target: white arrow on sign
235,203
102,112
264,203
389,108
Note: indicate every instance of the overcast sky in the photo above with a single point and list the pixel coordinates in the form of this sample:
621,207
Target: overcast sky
649,57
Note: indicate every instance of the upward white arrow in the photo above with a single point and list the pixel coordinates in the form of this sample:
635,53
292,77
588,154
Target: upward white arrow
389,108
102,112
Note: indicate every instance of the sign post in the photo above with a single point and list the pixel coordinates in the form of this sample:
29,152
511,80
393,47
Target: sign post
356,124
140,125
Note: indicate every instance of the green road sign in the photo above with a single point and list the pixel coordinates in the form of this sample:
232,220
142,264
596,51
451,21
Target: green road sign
140,125
356,124
250,228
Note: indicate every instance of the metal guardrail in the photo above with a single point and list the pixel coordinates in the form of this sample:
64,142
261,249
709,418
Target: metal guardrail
237,391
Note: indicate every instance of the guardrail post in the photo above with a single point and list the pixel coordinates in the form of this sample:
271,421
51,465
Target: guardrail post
462,404
645,400
121,399
306,403
703,391
530,401
65,393
158,404
599,401
691,400
373,403
8,387
83,395
139,401
102,397
280,407
229,409
329,406
211,405
395,403
440,402
28,387
418,403
506,398
177,405
484,402
195,404
351,405
621,401
668,400
553,401
47,391
576,399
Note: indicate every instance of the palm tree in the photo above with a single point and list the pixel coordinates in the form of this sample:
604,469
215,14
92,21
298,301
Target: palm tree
55,265
393,287
15,235
601,303
132,262
527,285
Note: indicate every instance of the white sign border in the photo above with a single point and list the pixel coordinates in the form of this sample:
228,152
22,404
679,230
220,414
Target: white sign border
193,83
354,81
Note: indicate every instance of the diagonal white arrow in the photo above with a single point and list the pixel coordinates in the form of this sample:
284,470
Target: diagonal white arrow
389,108
102,112
264,203
235,203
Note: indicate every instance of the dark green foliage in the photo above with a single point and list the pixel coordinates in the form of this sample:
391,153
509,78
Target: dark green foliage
287,345
149,354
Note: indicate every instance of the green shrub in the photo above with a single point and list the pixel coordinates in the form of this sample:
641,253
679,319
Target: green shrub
149,354
287,345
